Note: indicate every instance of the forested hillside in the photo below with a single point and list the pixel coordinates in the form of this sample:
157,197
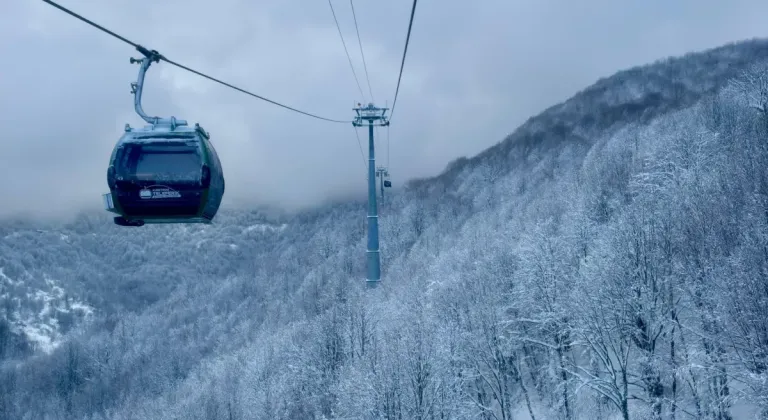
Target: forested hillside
608,259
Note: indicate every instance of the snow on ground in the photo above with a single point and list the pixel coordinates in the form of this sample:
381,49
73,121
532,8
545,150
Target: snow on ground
41,327
261,227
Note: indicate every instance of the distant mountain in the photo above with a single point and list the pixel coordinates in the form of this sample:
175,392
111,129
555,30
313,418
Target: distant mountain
606,260
630,96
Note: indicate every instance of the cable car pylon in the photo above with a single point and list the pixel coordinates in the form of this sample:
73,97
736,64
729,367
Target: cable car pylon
373,116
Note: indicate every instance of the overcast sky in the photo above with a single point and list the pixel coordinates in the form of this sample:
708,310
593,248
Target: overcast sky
475,70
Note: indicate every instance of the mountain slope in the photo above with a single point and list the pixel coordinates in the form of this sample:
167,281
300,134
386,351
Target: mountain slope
635,95
606,260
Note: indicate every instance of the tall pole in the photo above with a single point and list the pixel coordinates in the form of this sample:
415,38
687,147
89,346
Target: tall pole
373,116
374,257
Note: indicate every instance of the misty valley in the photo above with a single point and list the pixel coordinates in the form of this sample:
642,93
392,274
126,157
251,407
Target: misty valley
608,259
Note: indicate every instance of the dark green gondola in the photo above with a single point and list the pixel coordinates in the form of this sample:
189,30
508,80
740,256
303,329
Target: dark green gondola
166,172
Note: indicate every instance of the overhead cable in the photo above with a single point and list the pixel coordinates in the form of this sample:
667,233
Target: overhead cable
360,42
344,44
154,55
402,62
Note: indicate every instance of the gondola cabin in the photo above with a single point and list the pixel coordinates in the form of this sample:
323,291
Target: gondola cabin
164,173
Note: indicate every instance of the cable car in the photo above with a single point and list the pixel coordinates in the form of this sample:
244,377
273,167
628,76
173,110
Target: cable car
383,172
166,172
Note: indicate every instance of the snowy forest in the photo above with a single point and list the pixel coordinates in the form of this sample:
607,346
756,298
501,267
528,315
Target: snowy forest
606,260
